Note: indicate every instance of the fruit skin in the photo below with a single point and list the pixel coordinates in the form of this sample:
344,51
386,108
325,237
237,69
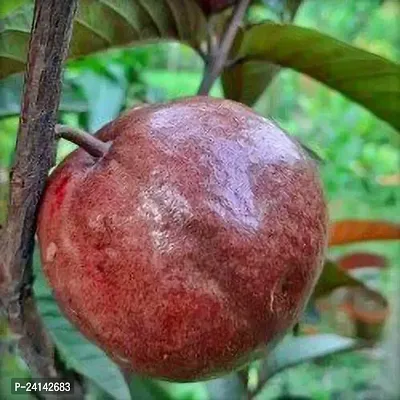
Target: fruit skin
192,245
214,6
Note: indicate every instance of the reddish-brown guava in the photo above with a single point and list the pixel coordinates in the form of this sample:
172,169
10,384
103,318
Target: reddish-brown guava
192,245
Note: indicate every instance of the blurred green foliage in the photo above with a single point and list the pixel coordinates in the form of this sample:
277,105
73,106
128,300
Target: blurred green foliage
359,153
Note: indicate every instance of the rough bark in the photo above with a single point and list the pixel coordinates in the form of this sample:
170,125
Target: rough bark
34,156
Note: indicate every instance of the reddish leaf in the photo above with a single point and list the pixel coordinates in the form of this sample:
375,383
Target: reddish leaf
361,260
365,308
350,231
367,305
368,310
355,312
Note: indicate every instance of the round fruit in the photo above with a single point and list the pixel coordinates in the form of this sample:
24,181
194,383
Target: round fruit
192,244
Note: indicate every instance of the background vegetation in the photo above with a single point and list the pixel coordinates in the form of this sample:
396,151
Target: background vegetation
360,170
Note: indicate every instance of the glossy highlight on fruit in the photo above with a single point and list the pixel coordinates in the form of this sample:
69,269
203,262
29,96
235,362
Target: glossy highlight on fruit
192,245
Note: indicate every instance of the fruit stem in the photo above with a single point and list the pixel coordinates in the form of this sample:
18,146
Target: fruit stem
95,147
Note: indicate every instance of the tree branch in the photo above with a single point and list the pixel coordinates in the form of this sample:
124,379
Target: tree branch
34,156
217,60
95,147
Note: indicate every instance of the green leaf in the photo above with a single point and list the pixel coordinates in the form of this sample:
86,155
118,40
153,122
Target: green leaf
148,389
101,24
80,354
11,91
7,7
228,388
11,367
246,81
105,96
366,78
296,350
331,278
